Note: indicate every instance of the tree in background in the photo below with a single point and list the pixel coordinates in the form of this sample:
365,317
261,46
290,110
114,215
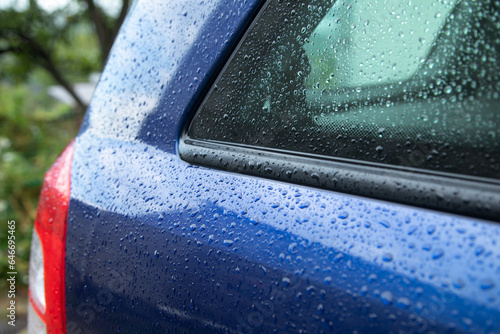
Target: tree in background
106,28
38,49
34,37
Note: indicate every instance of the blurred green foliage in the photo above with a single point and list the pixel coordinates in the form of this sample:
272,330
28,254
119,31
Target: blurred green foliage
39,49
62,42
34,129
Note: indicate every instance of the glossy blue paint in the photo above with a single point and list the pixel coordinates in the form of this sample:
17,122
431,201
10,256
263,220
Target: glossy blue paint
155,244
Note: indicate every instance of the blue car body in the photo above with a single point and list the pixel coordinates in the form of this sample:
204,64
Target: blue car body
155,244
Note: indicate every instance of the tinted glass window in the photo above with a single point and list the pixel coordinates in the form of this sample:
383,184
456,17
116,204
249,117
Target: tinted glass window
412,83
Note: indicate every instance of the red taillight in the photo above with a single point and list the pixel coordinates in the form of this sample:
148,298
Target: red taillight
48,246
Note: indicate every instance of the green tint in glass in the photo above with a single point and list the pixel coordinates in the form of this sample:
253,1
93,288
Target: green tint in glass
407,84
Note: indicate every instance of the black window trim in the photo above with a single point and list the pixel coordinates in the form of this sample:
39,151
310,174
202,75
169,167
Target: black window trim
467,196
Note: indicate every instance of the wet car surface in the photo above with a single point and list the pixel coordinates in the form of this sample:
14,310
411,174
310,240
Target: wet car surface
172,230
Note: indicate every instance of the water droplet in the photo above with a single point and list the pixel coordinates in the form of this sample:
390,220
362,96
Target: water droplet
304,205
285,281
412,230
228,242
310,289
338,257
387,297
487,284
403,302
343,215
431,229
458,283
479,250
437,253
385,223
387,257
264,270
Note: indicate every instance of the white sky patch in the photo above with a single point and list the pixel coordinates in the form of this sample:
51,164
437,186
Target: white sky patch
51,5
17,4
112,7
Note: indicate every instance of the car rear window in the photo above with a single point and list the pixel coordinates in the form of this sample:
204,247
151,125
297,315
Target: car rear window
413,84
